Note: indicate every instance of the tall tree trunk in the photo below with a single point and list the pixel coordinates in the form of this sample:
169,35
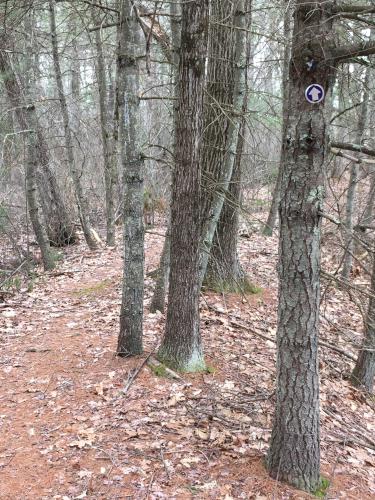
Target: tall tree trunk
181,347
294,453
364,370
108,156
131,318
60,229
272,216
162,279
81,202
31,193
224,271
352,188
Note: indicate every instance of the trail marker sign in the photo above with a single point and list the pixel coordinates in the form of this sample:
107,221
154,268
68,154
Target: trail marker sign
314,93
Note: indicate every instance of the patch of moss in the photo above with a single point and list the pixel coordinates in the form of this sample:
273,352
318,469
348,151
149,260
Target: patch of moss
210,369
321,491
159,370
95,289
243,287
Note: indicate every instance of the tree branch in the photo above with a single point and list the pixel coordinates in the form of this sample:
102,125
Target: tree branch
357,148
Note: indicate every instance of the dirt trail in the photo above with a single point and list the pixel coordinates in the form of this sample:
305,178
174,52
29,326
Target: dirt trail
68,430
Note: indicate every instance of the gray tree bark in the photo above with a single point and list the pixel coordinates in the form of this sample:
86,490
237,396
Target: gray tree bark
294,453
352,187
80,200
181,347
272,216
364,371
110,159
162,279
224,271
131,316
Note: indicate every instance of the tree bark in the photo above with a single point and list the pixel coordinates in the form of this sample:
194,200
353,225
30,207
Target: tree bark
108,145
272,216
131,317
352,187
364,370
162,279
81,202
226,89
224,271
294,454
181,347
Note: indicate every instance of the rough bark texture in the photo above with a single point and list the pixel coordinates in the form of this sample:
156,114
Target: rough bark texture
294,454
81,202
181,347
224,271
158,298
272,216
364,370
352,188
225,89
131,319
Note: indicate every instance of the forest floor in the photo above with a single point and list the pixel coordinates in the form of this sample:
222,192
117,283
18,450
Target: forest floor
76,423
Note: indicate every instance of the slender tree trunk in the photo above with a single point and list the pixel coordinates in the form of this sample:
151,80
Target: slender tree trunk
364,370
107,144
131,317
59,228
224,271
272,216
81,202
31,194
352,188
181,347
294,454
162,279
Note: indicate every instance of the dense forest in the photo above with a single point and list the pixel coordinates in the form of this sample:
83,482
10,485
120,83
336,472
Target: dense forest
187,249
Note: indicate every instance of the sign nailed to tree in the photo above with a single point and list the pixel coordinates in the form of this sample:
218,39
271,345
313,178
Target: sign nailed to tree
314,93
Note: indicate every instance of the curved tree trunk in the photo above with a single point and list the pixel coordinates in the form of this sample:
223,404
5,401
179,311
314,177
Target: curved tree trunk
181,347
131,316
294,453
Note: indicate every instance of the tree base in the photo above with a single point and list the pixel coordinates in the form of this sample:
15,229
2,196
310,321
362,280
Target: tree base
241,286
188,364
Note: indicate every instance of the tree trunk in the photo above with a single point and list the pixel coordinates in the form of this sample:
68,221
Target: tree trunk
131,317
162,278
107,144
352,188
364,370
272,216
181,347
59,228
81,202
224,271
294,454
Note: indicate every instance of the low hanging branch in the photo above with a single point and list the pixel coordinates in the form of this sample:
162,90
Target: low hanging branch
357,148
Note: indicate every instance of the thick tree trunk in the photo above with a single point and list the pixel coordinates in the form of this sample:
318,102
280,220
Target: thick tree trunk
81,202
364,370
181,347
294,454
131,318
226,89
352,188
224,271
108,155
272,216
162,279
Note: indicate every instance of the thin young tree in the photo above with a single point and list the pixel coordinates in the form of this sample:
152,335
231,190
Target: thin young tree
181,347
131,316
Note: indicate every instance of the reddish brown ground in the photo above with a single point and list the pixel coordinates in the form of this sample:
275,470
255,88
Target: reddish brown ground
68,431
